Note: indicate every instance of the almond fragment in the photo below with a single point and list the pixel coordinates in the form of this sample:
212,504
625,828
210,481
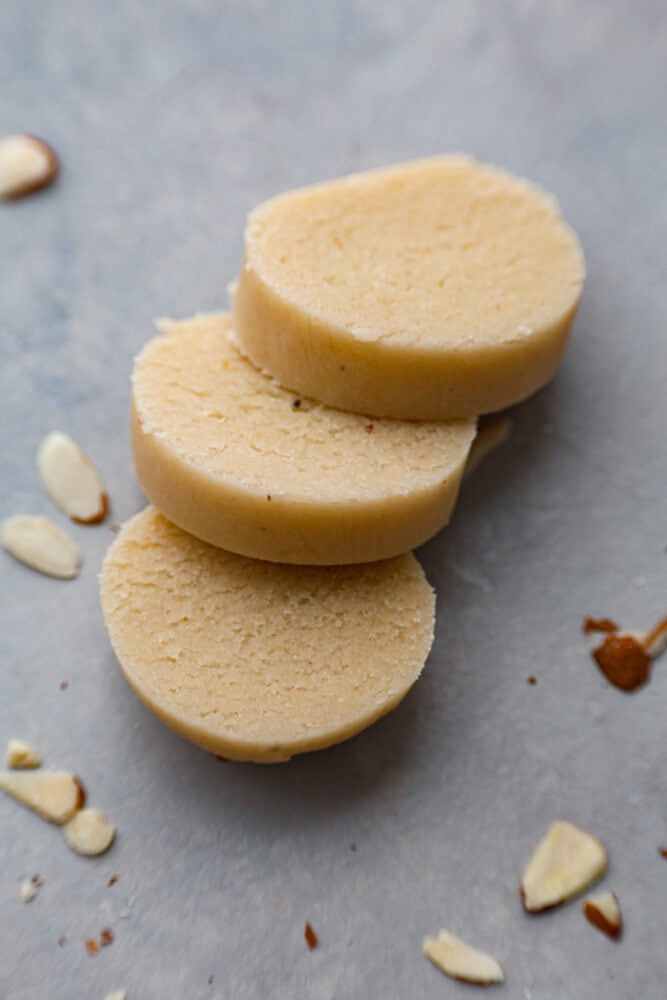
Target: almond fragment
39,543
89,832
565,862
461,961
21,756
602,910
28,892
655,642
491,434
71,479
26,165
116,995
54,795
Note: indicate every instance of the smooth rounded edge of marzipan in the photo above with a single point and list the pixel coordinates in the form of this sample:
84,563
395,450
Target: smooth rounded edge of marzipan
384,378
282,529
251,751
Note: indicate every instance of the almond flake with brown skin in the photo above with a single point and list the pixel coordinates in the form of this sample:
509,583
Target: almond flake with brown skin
602,910
54,795
89,832
26,165
71,479
40,544
21,756
565,862
461,961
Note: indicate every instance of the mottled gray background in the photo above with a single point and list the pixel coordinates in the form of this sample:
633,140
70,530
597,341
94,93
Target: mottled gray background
172,120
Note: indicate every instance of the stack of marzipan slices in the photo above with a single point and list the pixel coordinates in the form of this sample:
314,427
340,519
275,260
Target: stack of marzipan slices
297,449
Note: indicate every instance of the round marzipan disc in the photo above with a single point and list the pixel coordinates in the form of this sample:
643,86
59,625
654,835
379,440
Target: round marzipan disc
259,661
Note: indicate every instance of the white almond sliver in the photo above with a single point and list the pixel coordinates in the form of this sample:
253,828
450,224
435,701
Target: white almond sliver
461,961
565,862
116,995
21,756
39,543
89,832
71,479
26,165
602,910
54,795
28,892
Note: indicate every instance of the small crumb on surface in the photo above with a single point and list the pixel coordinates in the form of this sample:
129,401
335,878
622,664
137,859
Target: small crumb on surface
116,995
91,947
112,881
532,680
662,851
106,937
64,685
61,940
599,625
311,937
21,755
28,892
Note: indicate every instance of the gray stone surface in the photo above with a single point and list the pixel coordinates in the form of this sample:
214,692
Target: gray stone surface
172,120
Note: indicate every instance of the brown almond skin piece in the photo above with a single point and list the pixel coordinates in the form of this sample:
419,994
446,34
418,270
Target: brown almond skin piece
623,661
598,919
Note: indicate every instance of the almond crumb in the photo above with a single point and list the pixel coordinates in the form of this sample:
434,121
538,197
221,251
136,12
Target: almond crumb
599,625
311,937
28,892
91,947
21,756
106,937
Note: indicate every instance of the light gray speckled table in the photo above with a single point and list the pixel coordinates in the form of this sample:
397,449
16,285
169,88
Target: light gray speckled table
172,120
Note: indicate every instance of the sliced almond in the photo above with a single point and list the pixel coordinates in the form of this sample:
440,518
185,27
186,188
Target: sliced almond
491,434
565,862
21,756
89,832
39,543
602,910
461,961
116,995
55,795
71,479
26,165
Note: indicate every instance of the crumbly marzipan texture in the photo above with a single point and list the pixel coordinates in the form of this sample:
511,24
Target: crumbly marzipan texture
259,661
228,455
430,290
